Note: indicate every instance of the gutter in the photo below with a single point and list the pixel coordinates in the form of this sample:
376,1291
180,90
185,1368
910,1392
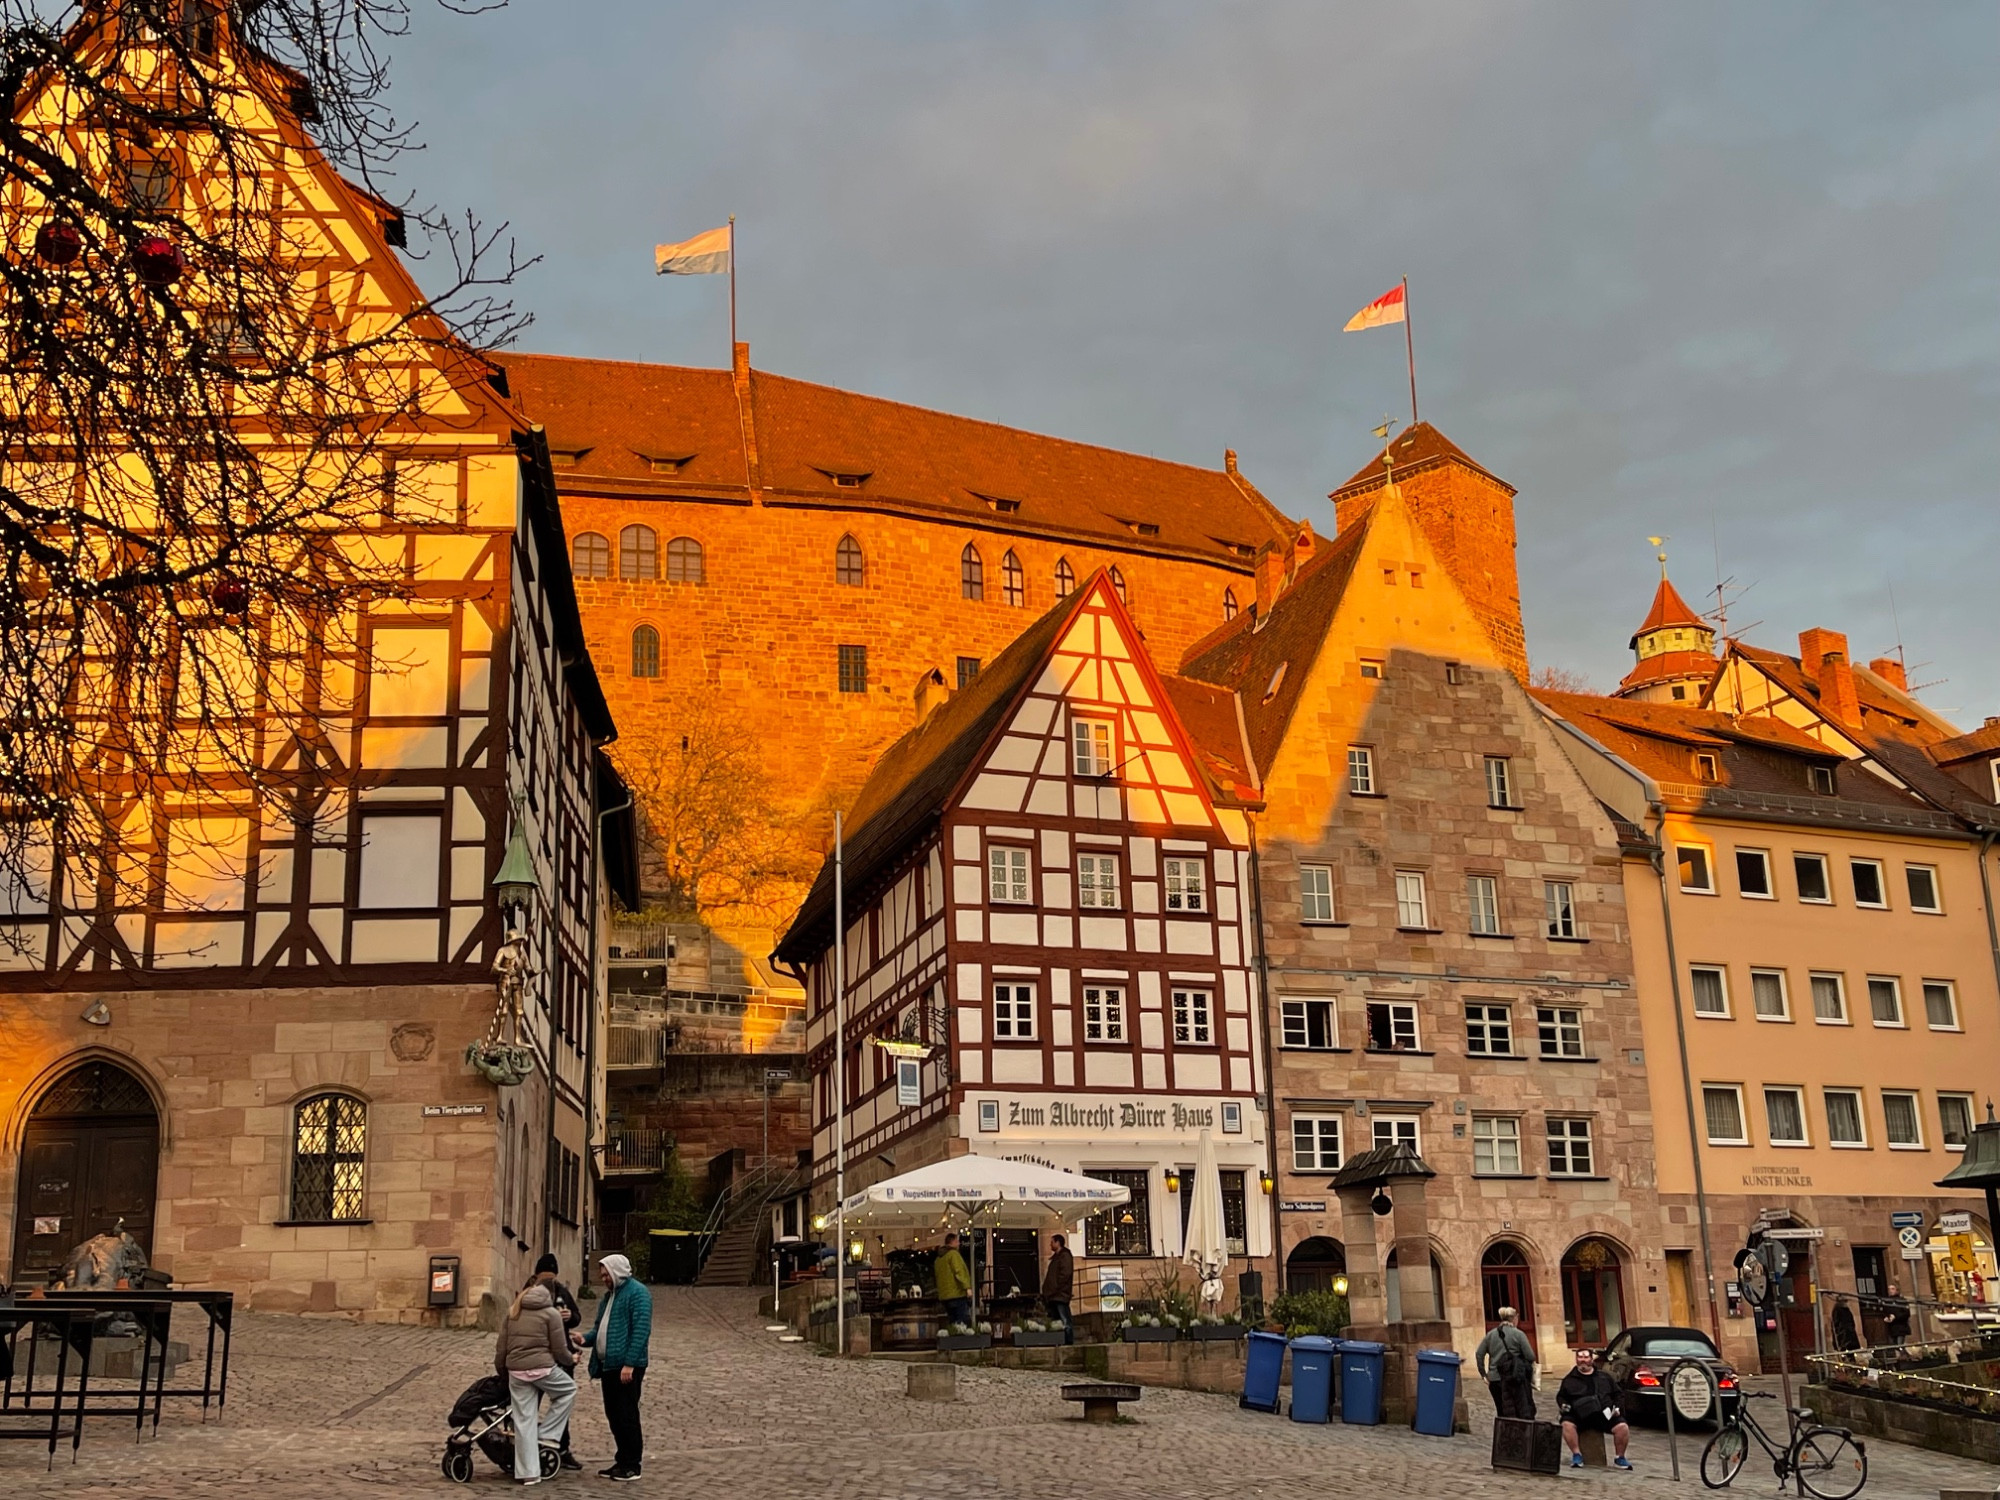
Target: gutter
1986,890
1270,1077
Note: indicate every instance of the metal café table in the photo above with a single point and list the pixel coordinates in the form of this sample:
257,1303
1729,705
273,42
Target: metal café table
152,1311
75,1328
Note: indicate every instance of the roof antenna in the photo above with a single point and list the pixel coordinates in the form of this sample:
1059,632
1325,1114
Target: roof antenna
1901,660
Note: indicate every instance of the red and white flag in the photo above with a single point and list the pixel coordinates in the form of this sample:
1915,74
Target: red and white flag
1387,308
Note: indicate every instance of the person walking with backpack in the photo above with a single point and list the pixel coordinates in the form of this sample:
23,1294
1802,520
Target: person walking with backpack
617,1347
1506,1362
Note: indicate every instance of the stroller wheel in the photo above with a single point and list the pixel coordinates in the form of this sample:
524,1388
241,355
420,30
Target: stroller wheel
457,1465
551,1461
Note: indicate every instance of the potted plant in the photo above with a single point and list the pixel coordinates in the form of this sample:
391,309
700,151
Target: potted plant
964,1336
1150,1328
1037,1333
1215,1326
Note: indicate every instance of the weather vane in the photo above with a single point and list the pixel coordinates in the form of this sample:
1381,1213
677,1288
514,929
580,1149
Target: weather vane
1661,543
1389,425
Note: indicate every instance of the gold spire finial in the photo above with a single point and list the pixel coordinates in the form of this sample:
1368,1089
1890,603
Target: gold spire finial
1661,543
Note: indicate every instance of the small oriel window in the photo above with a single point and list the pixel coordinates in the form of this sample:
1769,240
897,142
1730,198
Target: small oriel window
849,566
645,652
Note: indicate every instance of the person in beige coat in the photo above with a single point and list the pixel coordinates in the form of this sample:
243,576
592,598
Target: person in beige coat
534,1354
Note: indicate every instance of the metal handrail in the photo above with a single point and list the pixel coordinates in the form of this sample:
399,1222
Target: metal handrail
723,1211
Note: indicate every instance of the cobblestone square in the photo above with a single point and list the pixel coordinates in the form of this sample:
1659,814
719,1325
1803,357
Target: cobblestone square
321,1408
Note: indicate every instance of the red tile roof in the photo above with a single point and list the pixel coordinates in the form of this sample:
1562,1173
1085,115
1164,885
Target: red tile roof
1215,728
1421,446
1669,608
1667,666
622,421
1982,741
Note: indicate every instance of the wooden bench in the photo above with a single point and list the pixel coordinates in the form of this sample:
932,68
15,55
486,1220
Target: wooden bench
1100,1402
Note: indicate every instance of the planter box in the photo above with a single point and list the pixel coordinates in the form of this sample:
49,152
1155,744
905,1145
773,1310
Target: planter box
1150,1335
1213,1331
1037,1338
947,1342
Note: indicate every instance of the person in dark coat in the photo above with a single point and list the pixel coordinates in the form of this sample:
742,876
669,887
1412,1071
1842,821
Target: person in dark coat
1058,1282
1895,1317
1845,1334
547,1274
1506,1362
1588,1402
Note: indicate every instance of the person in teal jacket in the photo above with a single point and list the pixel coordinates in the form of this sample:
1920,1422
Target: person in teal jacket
617,1345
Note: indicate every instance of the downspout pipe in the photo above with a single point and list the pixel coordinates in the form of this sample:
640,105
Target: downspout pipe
1270,1075
1986,891
590,1155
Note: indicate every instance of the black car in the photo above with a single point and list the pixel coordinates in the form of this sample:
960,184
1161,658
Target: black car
1641,1360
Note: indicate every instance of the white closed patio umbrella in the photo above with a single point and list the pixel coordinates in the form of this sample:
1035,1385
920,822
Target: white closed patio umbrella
1207,1246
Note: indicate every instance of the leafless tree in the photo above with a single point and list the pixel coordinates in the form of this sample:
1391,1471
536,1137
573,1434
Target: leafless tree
1560,680
206,409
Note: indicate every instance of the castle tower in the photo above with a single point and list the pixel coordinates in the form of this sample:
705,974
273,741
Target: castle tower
1467,513
1675,649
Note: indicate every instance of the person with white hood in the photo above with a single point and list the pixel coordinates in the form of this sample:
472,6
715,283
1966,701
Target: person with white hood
534,1354
617,1345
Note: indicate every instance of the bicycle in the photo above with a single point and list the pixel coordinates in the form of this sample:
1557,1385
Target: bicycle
1822,1461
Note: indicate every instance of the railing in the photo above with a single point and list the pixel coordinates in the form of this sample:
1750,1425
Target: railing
752,1188
638,1150
638,1046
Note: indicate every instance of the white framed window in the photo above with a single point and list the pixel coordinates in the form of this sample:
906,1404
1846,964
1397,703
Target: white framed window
1707,768
1885,1000
1955,1120
1392,1026
1361,770
1371,669
1569,1147
1103,1013
1097,881
1499,781
1820,779
1722,1107
1697,869
1496,1145
1829,992
1846,1125
1315,1143
1192,1027
1090,742
1559,909
1309,1025
1869,887
1007,874
1922,881
1709,984
1489,1030
1412,907
1753,875
1482,904
1185,889
1785,1115
1013,1012
1316,893
1810,875
1560,1030
1940,1005
1902,1121
1396,1130
1767,995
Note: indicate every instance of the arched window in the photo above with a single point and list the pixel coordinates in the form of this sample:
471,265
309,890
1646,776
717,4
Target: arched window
1393,1286
1065,578
645,652
1118,583
1013,581
849,567
684,560
329,1146
1314,1263
1593,1292
590,555
1229,604
1507,1280
971,574
638,553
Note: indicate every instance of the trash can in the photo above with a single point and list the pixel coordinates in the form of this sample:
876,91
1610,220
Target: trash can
1361,1381
1437,1391
1312,1379
1263,1367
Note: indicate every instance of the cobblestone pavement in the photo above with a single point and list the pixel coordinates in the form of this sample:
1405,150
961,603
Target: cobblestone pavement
322,1408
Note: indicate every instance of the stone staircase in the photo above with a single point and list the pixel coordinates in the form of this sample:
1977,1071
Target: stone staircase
736,1255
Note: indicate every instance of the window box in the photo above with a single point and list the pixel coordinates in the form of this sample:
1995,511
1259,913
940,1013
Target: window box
1212,1331
1145,1333
1038,1338
948,1342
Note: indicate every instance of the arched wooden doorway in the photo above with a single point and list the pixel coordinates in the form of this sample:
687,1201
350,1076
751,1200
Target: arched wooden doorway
1506,1280
1593,1278
90,1156
1313,1264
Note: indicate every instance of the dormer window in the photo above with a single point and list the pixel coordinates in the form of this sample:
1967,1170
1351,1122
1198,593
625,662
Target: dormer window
998,504
1706,767
1143,528
845,479
849,481
1821,779
566,458
667,463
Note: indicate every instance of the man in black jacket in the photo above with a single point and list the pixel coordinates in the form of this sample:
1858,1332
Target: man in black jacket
1588,1401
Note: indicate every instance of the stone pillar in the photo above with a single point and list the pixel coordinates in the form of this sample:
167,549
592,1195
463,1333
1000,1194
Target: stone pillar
1416,1291
1367,1299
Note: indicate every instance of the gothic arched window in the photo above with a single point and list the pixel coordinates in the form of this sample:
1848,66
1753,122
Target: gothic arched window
684,560
1065,578
849,567
1229,604
971,574
1118,583
1013,581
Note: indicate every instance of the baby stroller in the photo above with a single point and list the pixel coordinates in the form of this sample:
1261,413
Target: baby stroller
484,1415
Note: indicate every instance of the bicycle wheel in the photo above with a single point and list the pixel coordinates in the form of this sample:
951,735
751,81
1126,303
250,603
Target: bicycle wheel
1723,1458
1828,1463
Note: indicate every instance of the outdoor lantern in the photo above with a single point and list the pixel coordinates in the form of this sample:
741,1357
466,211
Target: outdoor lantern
1267,1182
857,1251
231,596
1340,1286
515,884
1173,1180
157,262
819,1222
1382,1203
58,243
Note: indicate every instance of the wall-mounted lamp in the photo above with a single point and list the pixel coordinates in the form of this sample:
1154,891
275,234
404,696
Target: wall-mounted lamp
1340,1286
1173,1180
516,885
1267,1182
819,1222
857,1251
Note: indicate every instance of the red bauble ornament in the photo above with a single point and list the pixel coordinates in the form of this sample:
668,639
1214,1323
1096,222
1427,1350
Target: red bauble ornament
231,597
157,262
58,243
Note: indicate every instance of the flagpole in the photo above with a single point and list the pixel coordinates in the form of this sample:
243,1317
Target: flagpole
839,1071
1409,342
732,296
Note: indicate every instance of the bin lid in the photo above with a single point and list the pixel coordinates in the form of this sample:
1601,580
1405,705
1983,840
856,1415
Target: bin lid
1439,1357
672,1233
1360,1346
1269,1338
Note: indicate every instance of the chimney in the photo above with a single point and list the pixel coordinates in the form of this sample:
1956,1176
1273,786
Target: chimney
1270,577
1823,655
931,694
1229,460
1890,671
746,416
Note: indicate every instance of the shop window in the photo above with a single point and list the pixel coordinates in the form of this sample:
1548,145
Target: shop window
1127,1229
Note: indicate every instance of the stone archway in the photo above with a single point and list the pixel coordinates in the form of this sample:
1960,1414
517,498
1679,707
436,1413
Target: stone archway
1313,1264
90,1156
1593,1283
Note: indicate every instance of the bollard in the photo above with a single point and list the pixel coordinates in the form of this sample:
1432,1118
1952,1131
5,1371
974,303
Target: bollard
932,1383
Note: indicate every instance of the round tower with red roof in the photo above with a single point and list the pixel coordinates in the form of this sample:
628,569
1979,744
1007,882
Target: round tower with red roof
1675,649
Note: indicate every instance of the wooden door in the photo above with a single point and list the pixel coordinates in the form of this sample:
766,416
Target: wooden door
1504,1285
79,1177
1680,1289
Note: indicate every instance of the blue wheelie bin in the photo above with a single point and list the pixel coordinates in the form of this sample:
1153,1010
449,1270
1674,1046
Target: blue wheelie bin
1313,1360
1361,1381
1437,1391
1263,1367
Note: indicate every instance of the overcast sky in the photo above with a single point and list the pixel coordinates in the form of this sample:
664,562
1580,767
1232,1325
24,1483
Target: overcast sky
1709,269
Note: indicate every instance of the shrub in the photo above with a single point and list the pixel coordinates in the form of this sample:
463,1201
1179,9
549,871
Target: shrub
1300,1313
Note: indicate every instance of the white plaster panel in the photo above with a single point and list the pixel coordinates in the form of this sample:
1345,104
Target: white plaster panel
999,793
1059,987
1225,902
1057,932
1055,849
1015,927
1187,809
1238,1030
1190,937
1061,1024
965,843
968,886
1235,994
1150,728
970,926
1226,938
1197,1071
1149,990
1034,716
1017,1065
1108,804
972,1067
1154,1068
1055,890
1142,852
1146,935
1106,933
1015,753
1055,759
1152,1029
1107,1070
400,941
969,988
1145,895
1049,799
1065,1070
1225,867
971,1024
1147,810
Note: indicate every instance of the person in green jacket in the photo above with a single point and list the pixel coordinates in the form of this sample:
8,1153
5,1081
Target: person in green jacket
617,1347
954,1282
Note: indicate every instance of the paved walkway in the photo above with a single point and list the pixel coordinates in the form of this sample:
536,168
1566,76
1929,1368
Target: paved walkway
319,1409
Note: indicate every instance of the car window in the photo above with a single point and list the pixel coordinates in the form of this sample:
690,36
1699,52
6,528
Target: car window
1620,1345
1677,1346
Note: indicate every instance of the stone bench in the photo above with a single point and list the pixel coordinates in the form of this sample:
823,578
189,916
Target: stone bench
1100,1402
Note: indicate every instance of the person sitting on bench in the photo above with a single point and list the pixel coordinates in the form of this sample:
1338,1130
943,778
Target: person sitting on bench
1588,1401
